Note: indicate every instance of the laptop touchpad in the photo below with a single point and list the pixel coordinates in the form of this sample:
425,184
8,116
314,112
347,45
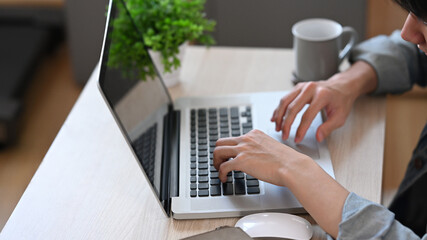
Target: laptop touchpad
307,146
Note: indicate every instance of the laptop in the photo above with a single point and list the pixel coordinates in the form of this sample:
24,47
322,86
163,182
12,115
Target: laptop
173,141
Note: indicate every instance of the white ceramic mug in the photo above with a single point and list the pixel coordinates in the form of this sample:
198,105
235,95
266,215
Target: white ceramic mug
318,48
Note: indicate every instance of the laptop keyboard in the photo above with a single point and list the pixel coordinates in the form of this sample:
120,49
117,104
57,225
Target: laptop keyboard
145,149
207,125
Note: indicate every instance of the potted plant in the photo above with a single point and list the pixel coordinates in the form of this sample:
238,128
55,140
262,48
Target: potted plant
165,26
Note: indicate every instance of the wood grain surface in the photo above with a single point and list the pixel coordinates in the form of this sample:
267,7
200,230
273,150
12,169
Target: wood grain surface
89,184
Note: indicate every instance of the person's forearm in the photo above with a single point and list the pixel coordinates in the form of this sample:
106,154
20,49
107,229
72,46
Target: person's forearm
321,195
359,79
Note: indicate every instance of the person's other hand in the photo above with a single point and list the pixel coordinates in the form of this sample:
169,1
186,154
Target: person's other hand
336,96
258,155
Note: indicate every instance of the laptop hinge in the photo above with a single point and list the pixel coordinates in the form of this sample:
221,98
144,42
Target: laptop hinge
174,164
170,164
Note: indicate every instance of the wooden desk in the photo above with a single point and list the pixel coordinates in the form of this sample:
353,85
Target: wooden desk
89,185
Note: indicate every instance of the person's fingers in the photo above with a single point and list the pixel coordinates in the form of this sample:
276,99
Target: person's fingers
295,107
283,105
225,168
273,118
325,129
229,141
221,154
307,118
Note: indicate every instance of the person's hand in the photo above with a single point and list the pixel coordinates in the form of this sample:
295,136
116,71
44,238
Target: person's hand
335,100
335,96
258,155
263,157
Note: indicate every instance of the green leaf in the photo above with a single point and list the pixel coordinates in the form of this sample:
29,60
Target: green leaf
165,25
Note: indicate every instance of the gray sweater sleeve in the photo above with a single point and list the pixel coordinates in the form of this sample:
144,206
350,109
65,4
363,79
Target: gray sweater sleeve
363,219
399,64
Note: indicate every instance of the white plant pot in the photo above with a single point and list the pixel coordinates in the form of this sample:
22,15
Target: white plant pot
171,78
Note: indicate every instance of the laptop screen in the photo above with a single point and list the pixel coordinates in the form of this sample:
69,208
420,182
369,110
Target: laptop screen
135,93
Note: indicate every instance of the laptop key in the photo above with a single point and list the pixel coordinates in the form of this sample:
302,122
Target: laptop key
246,130
212,120
203,153
202,135
203,172
215,190
227,188
252,183
193,179
203,186
203,147
234,112
253,190
203,179
224,130
215,181
203,193
223,119
213,132
240,187
235,127
235,133
203,166
213,138
214,175
193,186
239,175
193,193
203,160
224,135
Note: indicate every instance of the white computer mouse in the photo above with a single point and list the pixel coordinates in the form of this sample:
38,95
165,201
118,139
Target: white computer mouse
275,225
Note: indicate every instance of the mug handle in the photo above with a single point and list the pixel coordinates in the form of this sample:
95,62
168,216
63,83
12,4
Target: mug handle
350,44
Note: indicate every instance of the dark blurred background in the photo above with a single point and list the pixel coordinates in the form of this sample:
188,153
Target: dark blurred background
48,49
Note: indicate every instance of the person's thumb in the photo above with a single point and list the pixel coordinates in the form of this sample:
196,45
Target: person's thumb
327,127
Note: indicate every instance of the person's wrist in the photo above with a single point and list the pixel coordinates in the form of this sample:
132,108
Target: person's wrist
362,78
358,80
295,169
